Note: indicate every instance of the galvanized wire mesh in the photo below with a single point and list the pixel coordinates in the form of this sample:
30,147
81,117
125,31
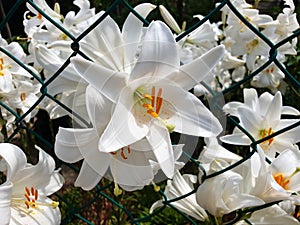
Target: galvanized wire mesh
20,127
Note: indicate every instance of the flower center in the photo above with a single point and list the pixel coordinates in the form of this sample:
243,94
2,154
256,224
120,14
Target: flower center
266,132
123,155
251,45
270,70
30,199
281,180
3,66
284,181
152,103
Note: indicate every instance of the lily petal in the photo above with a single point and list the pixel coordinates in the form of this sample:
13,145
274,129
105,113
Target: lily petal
6,191
123,128
250,97
159,55
236,139
107,41
274,111
159,139
130,176
99,108
14,157
194,72
132,31
87,178
249,120
67,145
108,82
197,121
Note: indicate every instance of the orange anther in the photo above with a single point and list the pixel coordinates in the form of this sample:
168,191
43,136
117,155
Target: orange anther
27,190
147,106
153,95
23,96
159,101
123,154
147,96
39,16
128,149
27,197
36,194
281,180
32,190
152,113
27,205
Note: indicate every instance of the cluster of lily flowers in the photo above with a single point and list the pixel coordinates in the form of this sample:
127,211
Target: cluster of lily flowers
132,86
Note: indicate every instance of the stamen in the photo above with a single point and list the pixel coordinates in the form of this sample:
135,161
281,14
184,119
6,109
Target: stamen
147,96
123,154
147,106
27,197
156,102
159,100
23,96
152,113
27,191
31,196
153,95
283,182
40,16
128,149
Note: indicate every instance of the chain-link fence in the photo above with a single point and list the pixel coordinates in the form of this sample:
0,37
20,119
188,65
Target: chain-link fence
37,130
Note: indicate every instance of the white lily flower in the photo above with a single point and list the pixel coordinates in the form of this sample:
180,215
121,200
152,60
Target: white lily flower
178,186
130,166
271,77
30,22
24,194
261,116
153,99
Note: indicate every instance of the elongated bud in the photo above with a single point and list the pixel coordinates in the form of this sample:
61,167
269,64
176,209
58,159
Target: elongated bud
57,8
169,19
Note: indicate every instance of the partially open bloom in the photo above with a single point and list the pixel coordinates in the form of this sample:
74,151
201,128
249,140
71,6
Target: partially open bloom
24,194
153,99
